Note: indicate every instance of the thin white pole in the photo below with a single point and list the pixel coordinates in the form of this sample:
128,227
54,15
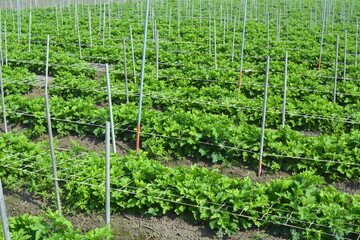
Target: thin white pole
132,53
142,76
264,116
4,218
110,108
107,176
285,88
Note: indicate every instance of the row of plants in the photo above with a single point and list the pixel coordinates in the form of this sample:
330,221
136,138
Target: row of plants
190,133
73,77
50,226
145,185
44,21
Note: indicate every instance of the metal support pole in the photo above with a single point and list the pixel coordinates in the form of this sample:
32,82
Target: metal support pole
169,24
4,218
336,67
18,13
47,63
104,27
90,27
157,52
2,89
30,22
215,55
6,45
107,176
242,47
142,77
132,53
263,116
78,30
285,88
209,33
356,40
48,117
345,49
52,152
322,35
178,21
57,20
125,73
110,108
233,41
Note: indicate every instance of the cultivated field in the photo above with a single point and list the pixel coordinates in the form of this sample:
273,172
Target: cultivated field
236,120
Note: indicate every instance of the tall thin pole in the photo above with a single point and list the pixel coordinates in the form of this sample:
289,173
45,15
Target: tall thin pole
78,30
48,117
322,35
132,53
169,24
215,55
47,63
242,47
142,77
345,50
125,73
2,87
18,19
285,88
90,27
157,53
104,27
356,41
30,22
336,67
110,108
233,41
4,218
263,117
107,176
52,152
57,20
6,45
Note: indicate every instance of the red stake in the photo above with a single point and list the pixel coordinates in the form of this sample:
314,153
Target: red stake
138,139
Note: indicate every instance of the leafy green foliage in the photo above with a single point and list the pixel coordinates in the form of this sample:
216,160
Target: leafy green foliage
51,226
226,204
